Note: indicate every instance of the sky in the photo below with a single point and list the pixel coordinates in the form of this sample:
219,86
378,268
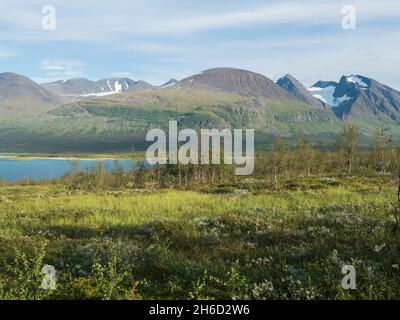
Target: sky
156,40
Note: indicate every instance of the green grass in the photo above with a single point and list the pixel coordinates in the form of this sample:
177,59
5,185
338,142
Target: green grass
203,244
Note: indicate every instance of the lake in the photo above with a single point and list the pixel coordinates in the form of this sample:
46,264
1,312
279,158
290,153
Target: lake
13,170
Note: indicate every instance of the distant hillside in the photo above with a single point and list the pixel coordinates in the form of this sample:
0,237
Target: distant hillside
169,83
81,87
238,81
359,98
129,115
293,86
19,94
118,119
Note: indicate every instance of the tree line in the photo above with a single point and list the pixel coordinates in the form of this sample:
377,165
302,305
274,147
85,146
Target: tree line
305,159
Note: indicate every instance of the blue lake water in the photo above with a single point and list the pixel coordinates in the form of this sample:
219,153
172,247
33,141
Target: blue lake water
13,170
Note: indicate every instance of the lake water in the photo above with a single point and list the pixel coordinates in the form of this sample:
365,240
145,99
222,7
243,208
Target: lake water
13,170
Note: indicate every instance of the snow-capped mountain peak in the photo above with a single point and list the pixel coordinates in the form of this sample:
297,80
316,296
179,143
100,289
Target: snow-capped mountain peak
341,93
358,96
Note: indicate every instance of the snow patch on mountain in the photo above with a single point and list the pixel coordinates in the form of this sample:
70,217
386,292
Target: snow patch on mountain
117,89
340,100
170,83
357,80
100,94
324,94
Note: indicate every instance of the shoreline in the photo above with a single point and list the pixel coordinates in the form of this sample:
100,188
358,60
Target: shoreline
77,157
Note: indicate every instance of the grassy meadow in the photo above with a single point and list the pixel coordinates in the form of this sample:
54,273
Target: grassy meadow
226,241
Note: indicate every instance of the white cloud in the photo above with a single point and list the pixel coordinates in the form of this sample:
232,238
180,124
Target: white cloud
295,13
149,47
62,69
100,20
167,42
6,53
123,74
308,58
276,13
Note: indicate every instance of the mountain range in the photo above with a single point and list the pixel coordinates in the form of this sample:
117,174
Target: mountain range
115,114
81,87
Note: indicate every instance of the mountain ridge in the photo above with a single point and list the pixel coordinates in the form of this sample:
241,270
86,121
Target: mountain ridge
292,85
18,93
357,96
82,87
237,80
216,98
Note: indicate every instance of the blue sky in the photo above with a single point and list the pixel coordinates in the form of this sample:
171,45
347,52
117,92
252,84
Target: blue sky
155,40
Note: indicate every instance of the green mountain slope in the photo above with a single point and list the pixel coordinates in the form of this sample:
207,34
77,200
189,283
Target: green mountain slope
120,122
